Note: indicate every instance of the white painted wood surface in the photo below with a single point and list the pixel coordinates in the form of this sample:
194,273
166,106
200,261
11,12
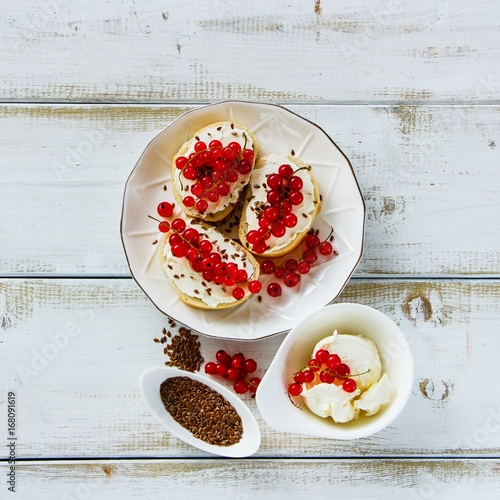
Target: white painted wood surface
261,479
429,176
74,351
306,51
410,91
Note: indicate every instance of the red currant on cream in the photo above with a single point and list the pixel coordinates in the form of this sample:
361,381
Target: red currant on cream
274,290
238,293
349,385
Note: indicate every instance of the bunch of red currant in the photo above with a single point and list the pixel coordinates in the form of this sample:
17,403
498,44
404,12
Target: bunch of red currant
284,192
214,170
331,371
291,270
187,242
236,369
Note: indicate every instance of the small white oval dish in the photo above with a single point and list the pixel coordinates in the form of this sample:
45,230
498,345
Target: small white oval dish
150,383
295,352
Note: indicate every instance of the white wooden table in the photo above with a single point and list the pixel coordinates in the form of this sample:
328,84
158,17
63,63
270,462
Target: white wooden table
410,91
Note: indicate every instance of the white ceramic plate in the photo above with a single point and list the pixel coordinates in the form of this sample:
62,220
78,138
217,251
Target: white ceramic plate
278,131
150,383
295,352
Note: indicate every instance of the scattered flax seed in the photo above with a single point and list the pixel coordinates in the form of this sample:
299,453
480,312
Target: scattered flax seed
183,350
157,341
196,137
202,411
234,133
155,242
164,331
219,128
232,126
292,152
164,187
259,298
320,197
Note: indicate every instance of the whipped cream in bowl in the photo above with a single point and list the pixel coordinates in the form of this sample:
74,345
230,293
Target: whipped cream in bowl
380,362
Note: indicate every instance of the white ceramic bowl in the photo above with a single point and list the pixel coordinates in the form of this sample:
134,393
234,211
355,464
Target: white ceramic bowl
150,383
278,131
295,352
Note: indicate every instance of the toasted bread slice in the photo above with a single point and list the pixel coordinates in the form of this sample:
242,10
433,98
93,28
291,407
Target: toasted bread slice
256,200
190,285
226,132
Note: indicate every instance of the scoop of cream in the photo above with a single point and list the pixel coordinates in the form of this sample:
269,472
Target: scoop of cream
362,357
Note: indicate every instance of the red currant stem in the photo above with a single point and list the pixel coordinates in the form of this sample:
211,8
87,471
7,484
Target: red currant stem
177,232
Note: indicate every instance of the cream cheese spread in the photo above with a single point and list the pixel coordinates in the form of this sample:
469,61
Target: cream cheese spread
225,134
372,392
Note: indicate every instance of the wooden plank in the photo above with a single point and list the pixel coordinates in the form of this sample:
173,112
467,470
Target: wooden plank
73,352
375,51
264,479
428,174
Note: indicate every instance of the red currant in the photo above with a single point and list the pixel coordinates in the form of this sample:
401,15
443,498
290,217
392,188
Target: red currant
188,201
195,160
326,378
205,246
232,374
308,376
245,167
312,241
200,146
322,355
235,147
296,197
215,144
286,207
310,257
279,230
208,158
196,265
314,365
179,225
220,369
164,226
232,176
299,378
349,385
197,189
291,265
254,384
191,254
267,267
260,247
303,267
206,264
343,370
264,222
248,155
252,236
238,361
291,279
174,239
294,389
215,257
254,286
290,220
241,275
180,161
220,355
279,272
178,251
213,196
220,269
333,362
165,209
325,248
275,181
223,189
240,387
230,281
274,197
191,234
285,171
210,368
201,205
238,293
228,154
250,365
295,183
190,173
274,290
271,214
